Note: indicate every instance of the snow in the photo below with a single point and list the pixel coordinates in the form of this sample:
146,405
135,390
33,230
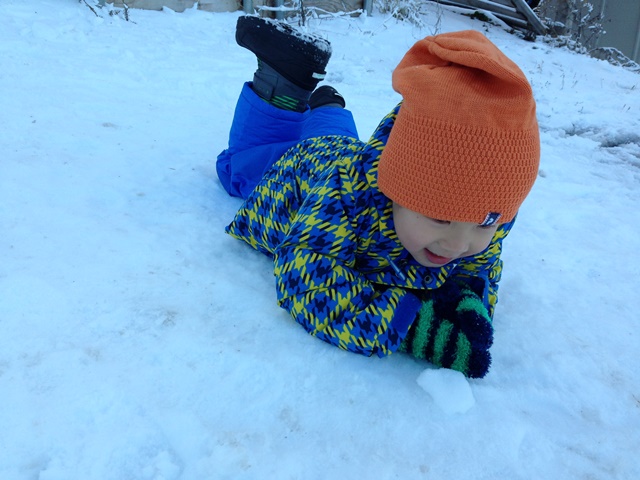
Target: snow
449,389
138,341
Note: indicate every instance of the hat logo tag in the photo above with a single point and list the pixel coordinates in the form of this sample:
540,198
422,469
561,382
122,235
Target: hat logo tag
491,219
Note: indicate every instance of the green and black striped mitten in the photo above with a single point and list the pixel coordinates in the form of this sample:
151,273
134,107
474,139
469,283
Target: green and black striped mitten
452,330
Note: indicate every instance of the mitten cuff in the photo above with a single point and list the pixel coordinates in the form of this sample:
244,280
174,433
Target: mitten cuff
404,315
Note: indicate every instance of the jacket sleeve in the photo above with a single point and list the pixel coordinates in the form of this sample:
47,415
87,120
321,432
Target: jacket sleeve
318,283
482,272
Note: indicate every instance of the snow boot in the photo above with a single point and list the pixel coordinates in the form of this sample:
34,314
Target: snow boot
290,63
326,96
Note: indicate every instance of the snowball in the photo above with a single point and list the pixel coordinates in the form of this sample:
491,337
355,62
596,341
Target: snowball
449,389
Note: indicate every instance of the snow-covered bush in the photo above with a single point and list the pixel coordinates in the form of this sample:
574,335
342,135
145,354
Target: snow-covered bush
575,24
100,6
409,10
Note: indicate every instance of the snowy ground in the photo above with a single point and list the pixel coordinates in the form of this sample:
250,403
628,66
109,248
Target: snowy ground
138,341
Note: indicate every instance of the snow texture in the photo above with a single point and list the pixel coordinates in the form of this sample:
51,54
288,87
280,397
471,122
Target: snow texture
141,342
450,390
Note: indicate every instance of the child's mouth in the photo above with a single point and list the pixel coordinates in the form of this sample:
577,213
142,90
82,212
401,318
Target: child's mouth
437,259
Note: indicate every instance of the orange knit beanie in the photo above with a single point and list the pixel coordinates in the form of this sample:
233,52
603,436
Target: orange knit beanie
465,145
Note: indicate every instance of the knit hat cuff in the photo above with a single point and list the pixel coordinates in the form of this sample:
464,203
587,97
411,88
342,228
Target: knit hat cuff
452,187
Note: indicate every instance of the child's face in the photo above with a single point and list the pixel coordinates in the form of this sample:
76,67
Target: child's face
433,242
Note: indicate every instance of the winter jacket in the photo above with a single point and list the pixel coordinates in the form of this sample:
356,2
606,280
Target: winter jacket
340,269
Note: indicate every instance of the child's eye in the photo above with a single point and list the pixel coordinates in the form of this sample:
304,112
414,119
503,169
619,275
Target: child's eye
440,222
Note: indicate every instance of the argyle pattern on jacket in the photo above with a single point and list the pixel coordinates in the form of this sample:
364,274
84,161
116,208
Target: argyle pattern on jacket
340,269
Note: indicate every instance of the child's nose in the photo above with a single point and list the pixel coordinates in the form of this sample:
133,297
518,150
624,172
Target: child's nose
456,243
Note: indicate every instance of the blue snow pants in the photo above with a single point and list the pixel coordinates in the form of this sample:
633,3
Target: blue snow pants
261,133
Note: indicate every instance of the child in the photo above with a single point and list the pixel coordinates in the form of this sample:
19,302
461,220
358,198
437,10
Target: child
394,244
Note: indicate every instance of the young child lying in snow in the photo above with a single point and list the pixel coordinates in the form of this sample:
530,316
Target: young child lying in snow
394,244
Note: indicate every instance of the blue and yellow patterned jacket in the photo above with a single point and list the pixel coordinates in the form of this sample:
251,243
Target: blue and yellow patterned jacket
340,269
